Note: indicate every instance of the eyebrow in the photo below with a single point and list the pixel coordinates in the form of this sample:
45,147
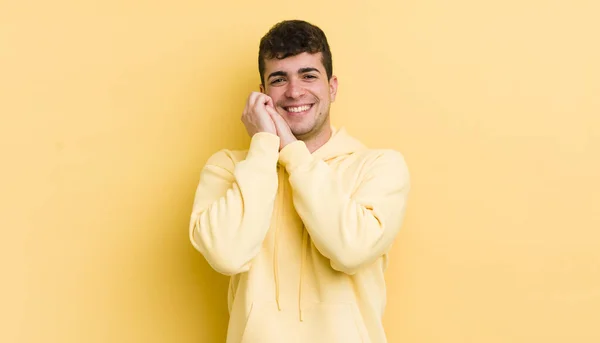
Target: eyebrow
300,71
309,69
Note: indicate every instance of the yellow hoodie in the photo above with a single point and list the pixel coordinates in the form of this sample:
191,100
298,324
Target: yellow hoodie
303,236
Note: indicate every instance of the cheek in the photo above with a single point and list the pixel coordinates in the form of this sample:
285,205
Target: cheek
274,96
321,92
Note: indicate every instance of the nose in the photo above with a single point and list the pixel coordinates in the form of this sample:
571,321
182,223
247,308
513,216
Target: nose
294,90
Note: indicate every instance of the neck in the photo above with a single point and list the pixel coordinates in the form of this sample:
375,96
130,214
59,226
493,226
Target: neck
316,141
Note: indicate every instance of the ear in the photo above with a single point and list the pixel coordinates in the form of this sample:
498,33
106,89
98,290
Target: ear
262,88
333,85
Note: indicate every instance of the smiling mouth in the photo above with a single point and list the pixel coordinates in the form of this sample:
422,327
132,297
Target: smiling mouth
298,109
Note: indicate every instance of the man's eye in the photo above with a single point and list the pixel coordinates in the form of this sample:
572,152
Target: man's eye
276,81
310,76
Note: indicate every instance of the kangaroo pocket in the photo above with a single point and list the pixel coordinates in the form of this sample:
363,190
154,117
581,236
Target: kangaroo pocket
266,324
325,322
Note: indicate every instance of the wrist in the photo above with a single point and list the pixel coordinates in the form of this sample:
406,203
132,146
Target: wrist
294,155
287,141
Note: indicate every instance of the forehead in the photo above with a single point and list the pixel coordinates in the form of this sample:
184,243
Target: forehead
293,63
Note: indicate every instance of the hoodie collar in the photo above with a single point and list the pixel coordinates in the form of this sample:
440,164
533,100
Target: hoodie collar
340,143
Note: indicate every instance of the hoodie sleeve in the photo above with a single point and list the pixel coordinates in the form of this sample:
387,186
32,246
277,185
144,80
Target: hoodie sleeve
233,205
352,230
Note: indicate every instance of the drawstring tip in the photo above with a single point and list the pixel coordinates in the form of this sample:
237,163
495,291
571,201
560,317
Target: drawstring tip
278,306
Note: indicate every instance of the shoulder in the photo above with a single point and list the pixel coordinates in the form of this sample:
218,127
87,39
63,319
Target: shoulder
364,154
226,159
383,161
356,156
370,157
380,155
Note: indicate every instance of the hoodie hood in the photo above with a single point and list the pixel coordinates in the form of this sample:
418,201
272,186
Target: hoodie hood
340,143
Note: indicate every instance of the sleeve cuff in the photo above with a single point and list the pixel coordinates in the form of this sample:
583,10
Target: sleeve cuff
294,154
264,145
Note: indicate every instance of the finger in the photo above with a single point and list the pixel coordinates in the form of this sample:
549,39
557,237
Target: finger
252,99
269,101
264,100
280,123
259,101
273,112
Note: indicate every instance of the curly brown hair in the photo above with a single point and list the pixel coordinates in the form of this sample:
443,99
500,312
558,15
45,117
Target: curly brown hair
290,38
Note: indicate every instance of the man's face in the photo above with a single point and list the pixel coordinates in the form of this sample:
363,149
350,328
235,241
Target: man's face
301,92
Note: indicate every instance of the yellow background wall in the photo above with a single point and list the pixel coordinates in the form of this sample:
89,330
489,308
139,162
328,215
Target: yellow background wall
109,110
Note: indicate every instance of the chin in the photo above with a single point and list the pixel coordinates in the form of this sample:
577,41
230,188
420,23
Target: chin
300,131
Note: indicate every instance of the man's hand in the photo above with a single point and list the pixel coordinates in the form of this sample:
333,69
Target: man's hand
283,129
255,116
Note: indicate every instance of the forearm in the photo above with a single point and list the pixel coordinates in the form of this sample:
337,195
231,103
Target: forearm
232,209
350,230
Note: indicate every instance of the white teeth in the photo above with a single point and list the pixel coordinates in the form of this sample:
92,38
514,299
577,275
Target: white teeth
298,109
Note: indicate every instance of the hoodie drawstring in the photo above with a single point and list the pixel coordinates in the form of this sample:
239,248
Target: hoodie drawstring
304,248
276,249
303,251
275,266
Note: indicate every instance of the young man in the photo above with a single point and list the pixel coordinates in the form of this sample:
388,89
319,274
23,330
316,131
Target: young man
303,220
